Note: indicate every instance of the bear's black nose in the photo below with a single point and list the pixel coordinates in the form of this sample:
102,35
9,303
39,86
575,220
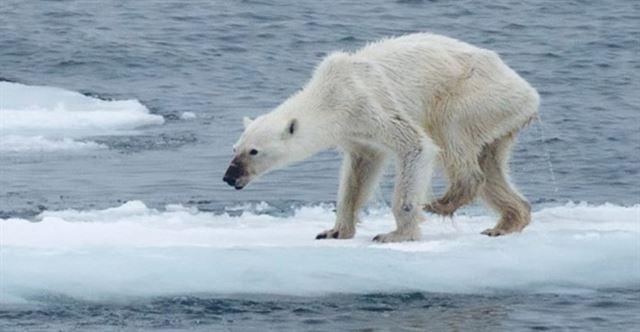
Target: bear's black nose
229,180
232,174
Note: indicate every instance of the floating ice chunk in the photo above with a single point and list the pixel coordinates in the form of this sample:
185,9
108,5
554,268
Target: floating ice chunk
188,116
133,250
49,110
41,117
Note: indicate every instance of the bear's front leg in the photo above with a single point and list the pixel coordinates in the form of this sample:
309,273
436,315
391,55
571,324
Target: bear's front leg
415,165
360,172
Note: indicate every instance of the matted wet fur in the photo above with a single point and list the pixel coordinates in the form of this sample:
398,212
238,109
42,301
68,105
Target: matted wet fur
418,98
493,186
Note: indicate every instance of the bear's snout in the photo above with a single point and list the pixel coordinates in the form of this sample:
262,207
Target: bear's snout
232,174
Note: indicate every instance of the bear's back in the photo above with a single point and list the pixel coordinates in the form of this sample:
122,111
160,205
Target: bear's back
428,60
419,43
431,75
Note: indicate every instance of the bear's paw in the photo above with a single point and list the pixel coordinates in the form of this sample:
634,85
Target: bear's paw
335,233
398,236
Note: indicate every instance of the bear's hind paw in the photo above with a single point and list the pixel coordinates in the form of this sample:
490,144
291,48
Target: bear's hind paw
493,232
504,229
439,208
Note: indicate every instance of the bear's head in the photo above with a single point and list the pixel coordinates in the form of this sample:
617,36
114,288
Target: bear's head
268,142
307,122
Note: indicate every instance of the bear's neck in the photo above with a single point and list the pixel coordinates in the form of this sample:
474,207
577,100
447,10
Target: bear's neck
316,124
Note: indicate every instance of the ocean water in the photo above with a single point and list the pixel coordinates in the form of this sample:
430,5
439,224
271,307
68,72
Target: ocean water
116,126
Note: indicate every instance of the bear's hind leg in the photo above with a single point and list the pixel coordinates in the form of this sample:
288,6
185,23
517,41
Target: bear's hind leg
465,177
361,170
498,193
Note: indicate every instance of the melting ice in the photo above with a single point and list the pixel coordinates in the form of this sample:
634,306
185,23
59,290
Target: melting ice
42,118
134,250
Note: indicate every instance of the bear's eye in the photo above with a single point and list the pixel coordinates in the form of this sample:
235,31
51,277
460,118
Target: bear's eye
253,152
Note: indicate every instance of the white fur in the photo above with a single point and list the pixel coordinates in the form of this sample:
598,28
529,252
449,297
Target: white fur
410,97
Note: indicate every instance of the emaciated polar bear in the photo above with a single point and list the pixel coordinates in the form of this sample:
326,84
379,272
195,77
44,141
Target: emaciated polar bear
422,98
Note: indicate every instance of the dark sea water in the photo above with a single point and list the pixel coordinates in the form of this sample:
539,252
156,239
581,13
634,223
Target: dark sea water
615,311
222,60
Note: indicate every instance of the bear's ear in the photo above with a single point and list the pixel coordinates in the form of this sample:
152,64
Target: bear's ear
246,121
292,127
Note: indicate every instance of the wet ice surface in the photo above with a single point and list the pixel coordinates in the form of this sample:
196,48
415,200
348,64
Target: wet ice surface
134,229
574,247
135,267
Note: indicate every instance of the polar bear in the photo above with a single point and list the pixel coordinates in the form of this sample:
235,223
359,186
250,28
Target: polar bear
422,98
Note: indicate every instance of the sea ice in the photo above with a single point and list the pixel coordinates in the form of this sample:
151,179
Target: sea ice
134,250
43,118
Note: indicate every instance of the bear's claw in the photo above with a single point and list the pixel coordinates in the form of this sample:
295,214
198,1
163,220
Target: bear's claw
335,234
325,235
440,208
493,232
396,236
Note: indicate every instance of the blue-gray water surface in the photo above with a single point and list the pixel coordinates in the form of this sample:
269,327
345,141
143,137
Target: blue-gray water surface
223,60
